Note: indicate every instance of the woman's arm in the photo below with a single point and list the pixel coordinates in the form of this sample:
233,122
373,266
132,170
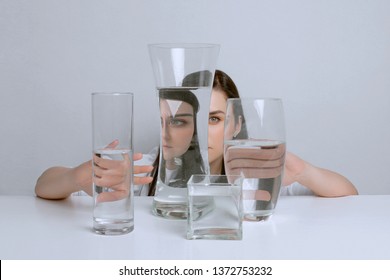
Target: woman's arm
61,182
321,181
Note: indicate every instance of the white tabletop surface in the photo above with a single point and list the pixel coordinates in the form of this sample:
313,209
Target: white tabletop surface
303,227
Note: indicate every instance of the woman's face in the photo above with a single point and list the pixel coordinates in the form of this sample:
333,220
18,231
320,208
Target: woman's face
216,129
177,126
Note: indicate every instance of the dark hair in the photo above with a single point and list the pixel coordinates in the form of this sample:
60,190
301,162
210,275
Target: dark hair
180,95
222,82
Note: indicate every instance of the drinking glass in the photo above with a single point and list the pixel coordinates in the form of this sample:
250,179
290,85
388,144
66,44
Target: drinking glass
112,134
255,147
184,76
225,219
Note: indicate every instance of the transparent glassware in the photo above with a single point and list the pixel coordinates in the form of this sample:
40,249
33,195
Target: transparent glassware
112,140
224,222
255,147
184,76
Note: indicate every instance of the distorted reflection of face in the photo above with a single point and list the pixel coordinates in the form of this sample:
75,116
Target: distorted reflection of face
177,127
233,124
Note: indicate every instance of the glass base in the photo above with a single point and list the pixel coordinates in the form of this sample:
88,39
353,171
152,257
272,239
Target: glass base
112,227
180,210
256,217
216,234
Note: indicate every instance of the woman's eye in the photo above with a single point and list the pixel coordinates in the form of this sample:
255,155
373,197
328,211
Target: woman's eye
176,122
214,119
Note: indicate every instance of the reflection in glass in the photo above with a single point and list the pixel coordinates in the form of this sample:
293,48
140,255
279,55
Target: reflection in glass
184,77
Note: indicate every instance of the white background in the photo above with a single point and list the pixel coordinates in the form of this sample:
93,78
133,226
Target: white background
328,60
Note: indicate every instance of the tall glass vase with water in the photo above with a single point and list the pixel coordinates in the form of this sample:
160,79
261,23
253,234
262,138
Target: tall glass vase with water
184,77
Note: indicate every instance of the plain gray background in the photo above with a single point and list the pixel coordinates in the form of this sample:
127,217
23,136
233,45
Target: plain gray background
328,60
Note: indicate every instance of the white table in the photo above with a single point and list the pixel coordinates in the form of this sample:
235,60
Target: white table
356,227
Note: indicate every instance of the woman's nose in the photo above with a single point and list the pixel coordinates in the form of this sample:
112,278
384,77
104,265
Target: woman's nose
165,129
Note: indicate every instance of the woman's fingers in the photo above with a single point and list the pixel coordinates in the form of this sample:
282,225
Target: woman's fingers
112,145
118,191
255,168
109,173
256,153
112,164
261,173
252,163
255,162
112,196
139,169
115,175
142,180
256,195
137,156
109,181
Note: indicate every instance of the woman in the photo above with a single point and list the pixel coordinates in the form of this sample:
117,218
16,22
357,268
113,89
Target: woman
300,177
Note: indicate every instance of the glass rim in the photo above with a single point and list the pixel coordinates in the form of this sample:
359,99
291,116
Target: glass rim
183,45
110,93
213,176
255,98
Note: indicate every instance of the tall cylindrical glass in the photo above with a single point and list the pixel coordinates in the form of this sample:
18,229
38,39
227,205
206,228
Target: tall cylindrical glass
112,133
184,76
255,147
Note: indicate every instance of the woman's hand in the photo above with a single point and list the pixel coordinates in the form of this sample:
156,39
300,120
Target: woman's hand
255,162
141,169
116,175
